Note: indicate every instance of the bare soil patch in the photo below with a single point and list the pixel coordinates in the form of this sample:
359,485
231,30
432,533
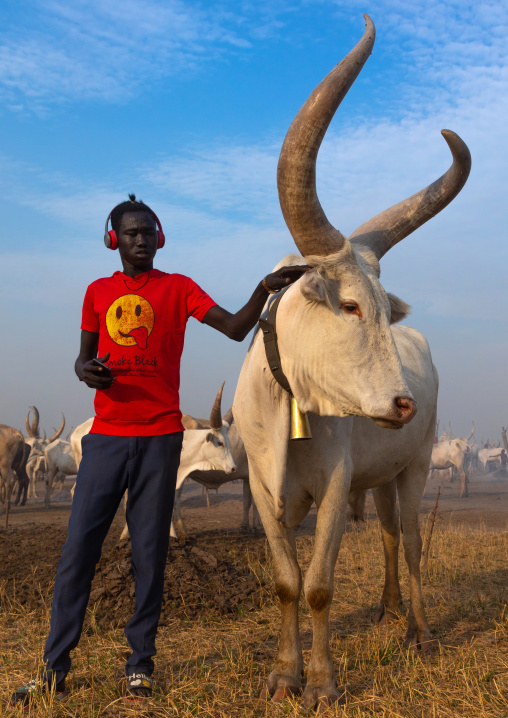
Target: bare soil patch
209,574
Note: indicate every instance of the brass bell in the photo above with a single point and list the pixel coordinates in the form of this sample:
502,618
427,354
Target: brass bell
300,428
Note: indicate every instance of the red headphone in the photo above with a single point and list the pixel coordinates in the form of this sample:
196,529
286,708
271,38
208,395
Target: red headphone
111,239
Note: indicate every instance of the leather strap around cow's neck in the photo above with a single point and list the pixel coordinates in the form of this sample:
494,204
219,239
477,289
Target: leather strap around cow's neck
268,327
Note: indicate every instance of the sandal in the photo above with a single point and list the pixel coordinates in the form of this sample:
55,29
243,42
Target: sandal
139,687
44,681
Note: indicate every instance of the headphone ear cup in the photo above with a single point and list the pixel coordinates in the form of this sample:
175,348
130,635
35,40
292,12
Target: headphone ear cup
111,240
161,239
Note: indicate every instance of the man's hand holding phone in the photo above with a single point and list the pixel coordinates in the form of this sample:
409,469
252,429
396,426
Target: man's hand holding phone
97,374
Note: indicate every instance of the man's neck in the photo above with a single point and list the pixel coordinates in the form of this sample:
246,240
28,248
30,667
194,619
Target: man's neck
130,271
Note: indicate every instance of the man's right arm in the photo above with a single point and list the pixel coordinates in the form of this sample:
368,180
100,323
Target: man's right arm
85,369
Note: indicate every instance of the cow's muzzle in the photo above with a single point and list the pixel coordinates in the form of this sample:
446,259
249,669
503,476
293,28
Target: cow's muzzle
405,408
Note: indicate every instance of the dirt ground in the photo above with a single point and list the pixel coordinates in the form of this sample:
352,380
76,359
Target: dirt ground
212,570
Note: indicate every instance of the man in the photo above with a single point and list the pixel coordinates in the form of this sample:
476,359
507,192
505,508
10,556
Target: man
135,321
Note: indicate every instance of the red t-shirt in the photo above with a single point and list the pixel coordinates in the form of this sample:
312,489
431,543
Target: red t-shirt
141,322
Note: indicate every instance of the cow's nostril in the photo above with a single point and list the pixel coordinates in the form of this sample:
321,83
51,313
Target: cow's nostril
405,405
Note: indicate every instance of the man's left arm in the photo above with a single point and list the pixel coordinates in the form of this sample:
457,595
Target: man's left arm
237,326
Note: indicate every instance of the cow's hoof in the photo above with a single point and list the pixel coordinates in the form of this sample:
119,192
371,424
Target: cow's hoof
385,614
279,687
322,697
418,639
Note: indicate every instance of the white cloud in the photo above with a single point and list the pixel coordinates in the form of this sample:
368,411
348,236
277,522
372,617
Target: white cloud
57,51
225,178
106,50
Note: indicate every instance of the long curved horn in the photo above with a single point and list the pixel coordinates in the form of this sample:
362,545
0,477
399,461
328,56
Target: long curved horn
471,434
452,435
215,416
33,430
44,435
296,171
57,434
384,230
27,425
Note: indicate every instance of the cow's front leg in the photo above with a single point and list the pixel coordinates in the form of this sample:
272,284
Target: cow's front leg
386,507
50,477
177,523
256,521
20,489
356,502
285,679
321,689
247,500
464,481
7,488
410,485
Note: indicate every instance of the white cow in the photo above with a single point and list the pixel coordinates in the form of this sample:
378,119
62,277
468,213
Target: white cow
447,454
36,465
59,458
492,456
356,376
214,479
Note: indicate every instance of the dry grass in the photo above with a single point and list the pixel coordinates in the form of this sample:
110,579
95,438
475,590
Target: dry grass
216,667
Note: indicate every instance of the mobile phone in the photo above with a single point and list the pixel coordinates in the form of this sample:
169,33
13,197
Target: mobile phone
106,370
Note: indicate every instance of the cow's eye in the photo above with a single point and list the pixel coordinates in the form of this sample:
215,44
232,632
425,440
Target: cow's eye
351,307
221,443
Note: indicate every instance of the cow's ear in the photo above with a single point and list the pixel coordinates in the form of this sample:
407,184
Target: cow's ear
399,308
312,287
209,436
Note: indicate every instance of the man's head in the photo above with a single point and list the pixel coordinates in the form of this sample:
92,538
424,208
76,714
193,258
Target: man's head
136,233
116,215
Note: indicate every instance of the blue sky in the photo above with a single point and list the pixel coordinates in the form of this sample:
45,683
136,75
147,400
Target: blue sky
187,105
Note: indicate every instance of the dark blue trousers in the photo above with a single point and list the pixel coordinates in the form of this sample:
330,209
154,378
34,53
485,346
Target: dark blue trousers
147,466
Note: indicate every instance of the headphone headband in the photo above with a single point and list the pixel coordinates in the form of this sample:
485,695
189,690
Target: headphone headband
111,238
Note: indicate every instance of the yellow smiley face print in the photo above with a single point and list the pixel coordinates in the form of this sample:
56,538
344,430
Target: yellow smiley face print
130,320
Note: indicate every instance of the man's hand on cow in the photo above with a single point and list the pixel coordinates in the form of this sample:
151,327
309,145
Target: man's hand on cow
284,276
95,376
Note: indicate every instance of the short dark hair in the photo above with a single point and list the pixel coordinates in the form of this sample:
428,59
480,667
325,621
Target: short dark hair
133,205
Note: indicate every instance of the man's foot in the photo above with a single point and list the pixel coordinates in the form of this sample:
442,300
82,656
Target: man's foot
139,687
42,683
